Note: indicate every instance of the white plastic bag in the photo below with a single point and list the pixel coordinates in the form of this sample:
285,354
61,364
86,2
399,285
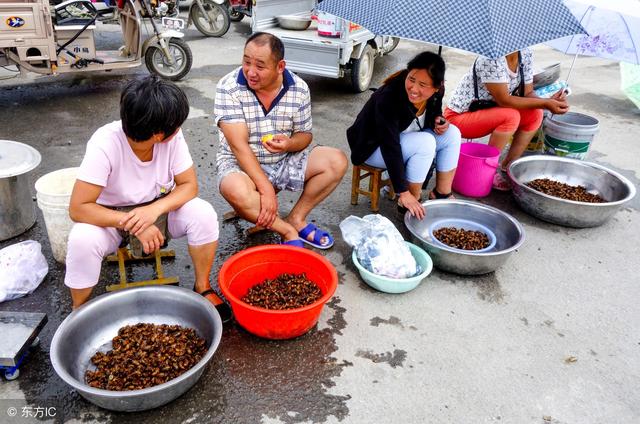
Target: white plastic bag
379,246
22,269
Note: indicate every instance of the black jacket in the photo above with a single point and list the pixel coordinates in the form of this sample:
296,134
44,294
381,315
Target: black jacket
386,114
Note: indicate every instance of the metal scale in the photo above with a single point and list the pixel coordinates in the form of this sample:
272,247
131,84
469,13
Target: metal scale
18,332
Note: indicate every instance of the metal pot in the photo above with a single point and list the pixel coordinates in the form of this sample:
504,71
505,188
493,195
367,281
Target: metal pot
17,210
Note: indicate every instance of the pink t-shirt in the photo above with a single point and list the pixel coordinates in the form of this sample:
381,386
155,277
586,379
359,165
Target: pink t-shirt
110,163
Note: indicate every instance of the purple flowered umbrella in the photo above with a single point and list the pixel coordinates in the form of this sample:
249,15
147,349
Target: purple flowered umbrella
613,28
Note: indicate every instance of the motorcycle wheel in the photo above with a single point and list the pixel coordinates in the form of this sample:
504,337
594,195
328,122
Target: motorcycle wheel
157,63
216,21
235,16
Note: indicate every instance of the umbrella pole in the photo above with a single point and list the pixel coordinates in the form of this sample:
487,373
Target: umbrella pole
585,15
440,50
573,62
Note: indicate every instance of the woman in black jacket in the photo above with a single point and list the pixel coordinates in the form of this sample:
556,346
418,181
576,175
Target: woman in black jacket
401,129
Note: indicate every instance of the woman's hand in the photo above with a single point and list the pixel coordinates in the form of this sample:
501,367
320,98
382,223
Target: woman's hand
151,239
139,219
558,102
560,94
407,200
557,106
441,125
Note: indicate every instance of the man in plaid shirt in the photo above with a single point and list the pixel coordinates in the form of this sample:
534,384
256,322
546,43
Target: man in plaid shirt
263,112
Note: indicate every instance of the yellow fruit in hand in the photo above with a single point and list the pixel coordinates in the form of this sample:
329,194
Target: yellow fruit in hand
266,138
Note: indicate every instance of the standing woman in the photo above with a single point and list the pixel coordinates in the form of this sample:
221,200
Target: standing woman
401,129
507,105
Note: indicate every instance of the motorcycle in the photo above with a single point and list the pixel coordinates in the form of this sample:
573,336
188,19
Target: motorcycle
210,17
238,9
59,39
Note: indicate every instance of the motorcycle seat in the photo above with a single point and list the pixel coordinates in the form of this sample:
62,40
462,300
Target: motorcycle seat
74,12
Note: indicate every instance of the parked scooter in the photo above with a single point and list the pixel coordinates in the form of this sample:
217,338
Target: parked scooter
60,39
210,17
238,9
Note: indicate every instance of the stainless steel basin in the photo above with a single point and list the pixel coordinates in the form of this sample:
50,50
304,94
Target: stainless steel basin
508,232
295,22
547,76
91,328
610,185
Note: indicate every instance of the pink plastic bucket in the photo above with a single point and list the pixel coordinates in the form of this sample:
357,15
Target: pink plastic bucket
476,167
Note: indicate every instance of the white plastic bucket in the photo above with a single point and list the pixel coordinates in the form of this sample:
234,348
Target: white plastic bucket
53,192
329,25
569,135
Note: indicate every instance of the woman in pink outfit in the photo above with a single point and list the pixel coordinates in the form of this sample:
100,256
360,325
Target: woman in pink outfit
136,180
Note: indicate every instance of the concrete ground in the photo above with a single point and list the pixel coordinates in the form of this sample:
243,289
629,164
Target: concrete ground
551,337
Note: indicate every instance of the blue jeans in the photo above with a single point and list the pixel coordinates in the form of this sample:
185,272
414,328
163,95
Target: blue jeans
420,148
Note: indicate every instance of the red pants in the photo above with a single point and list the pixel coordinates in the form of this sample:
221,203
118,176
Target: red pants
499,119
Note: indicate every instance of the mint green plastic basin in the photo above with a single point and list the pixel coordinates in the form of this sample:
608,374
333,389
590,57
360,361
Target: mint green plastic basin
397,285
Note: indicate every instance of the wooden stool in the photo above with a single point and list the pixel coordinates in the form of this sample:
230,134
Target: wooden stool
124,254
361,172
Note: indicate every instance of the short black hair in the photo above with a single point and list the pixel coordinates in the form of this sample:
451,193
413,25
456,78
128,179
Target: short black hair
275,44
151,106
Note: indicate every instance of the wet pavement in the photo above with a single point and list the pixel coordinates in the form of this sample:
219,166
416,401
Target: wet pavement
493,348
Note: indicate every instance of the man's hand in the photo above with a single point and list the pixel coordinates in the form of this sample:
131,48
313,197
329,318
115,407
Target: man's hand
268,207
441,125
139,219
151,239
279,143
407,200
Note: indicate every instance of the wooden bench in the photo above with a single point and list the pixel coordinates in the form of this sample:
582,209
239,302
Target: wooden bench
124,255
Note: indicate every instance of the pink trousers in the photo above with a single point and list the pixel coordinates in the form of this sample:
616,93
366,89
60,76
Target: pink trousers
500,119
89,244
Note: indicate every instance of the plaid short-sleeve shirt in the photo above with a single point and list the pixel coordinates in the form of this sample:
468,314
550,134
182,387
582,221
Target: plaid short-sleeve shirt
235,102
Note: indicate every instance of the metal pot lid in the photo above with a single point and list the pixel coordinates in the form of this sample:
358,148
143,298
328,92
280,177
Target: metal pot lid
17,158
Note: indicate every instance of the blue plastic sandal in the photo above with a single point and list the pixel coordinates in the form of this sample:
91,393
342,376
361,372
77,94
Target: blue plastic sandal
317,237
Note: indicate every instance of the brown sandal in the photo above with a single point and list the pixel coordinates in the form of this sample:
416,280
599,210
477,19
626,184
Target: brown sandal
435,194
223,308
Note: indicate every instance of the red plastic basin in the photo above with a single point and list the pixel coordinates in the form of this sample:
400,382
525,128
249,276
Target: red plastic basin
254,265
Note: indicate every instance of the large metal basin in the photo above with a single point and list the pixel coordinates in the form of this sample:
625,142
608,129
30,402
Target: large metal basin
508,232
610,185
91,328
